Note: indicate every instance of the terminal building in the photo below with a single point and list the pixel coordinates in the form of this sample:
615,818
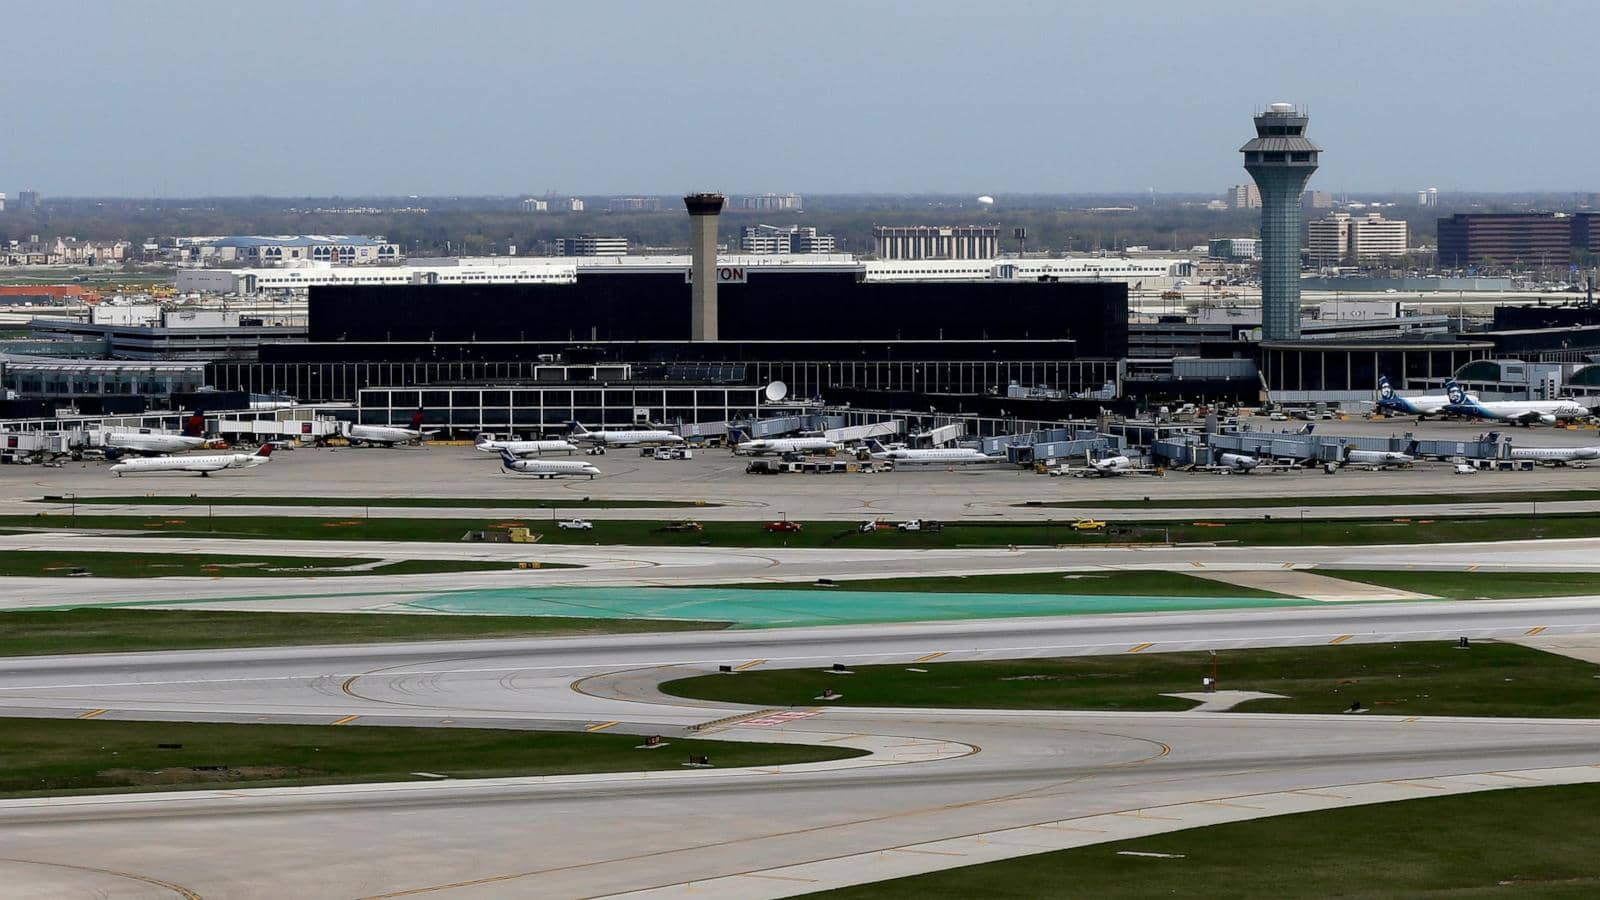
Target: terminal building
691,339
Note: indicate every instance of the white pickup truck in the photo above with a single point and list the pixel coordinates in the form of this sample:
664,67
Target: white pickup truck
575,525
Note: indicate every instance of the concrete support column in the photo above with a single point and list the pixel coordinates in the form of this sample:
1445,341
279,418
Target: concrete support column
704,210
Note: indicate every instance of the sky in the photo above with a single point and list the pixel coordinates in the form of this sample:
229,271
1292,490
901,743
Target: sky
470,97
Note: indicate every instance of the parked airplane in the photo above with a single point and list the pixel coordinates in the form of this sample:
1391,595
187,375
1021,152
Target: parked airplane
1556,456
936,456
758,446
546,468
204,464
153,442
623,437
525,448
1520,412
1108,466
387,435
1379,459
1421,405
1237,462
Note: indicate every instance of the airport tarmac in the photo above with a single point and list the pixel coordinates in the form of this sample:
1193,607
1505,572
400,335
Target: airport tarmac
940,788
943,787
975,492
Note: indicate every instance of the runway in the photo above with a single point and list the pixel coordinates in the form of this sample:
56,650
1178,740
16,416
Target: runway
622,566
946,787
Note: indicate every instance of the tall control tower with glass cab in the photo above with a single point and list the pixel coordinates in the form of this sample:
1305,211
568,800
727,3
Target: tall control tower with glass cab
1281,161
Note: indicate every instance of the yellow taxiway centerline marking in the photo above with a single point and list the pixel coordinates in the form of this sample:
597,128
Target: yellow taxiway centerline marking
602,726
930,657
346,720
1413,784
749,665
1140,648
94,714
1341,638
1532,631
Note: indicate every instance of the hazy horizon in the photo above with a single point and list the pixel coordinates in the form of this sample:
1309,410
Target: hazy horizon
187,100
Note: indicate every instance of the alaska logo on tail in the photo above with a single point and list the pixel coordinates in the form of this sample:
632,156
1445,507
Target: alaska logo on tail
1454,392
1385,390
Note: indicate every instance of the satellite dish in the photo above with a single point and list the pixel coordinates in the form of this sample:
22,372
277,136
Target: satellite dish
776,391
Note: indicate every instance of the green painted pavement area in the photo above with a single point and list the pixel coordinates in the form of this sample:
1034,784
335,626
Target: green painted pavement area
747,608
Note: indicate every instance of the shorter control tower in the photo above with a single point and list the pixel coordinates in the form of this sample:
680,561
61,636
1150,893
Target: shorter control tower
1281,161
704,208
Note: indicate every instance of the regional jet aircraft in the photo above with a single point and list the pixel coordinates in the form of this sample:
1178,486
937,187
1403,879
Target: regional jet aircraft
205,464
524,448
546,468
623,437
153,442
936,456
387,435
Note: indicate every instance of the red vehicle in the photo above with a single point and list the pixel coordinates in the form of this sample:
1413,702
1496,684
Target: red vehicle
782,527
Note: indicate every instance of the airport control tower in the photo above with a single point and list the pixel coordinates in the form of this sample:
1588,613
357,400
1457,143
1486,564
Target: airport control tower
704,208
1281,161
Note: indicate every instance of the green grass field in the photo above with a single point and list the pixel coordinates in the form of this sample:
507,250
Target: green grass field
1413,679
1170,502
71,756
1286,532
1466,585
122,629
380,502
109,564
1135,584
1535,842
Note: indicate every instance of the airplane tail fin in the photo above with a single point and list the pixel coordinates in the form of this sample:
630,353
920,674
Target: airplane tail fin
874,446
506,459
482,438
576,428
264,451
736,435
1411,448
416,420
195,425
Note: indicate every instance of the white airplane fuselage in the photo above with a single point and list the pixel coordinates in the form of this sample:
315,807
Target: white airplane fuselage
628,437
759,446
546,468
204,464
153,441
527,448
381,434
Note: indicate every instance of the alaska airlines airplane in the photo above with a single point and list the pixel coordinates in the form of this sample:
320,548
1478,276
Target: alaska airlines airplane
623,437
152,442
1520,412
387,435
758,446
546,468
205,465
524,448
1421,406
934,456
